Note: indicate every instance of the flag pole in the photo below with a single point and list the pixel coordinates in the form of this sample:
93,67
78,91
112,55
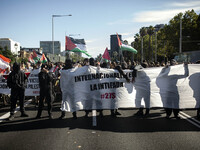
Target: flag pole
122,57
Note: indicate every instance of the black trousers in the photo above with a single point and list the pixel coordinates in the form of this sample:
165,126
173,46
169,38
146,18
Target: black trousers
169,111
17,93
48,96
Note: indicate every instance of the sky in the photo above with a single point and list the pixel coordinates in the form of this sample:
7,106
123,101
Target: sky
30,21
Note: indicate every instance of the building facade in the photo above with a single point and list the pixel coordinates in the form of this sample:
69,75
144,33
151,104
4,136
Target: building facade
13,46
47,47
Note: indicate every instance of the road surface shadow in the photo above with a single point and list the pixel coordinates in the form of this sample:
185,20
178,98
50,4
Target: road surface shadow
106,123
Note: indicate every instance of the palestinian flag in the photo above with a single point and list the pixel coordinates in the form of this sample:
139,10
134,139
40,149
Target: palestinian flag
124,47
43,59
30,59
106,55
75,45
35,57
4,63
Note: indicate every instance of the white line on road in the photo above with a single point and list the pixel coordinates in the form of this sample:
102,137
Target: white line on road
190,119
5,116
94,118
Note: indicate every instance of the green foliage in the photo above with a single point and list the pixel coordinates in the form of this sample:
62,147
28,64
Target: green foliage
115,56
143,31
76,57
7,53
22,60
168,37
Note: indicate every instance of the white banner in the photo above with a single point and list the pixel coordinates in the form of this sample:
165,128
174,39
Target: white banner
32,88
91,88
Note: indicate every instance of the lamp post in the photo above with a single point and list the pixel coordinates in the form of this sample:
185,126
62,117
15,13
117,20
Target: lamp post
53,28
16,46
180,42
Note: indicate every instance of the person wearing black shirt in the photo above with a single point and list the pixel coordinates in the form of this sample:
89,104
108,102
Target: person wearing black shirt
45,83
17,80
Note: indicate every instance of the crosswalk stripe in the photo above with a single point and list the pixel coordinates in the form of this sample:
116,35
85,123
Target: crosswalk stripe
190,119
5,116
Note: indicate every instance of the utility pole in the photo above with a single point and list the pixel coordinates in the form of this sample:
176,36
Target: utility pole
180,42
155,46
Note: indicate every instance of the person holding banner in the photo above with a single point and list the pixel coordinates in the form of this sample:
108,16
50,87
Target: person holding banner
169,90
46,87
17,80
68,65
142,92
92,63
120,68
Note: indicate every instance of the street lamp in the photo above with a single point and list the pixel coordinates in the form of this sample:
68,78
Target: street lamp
53,28
180,42
16,46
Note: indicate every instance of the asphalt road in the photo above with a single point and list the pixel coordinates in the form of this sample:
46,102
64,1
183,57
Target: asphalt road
126,132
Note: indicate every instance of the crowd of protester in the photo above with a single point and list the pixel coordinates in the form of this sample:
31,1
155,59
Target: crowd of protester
49,81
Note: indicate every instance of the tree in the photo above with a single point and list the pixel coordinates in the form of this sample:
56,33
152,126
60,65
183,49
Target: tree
137,45
7,53
150,31
22,60
115,56
75,57
143,32
169,36
191,34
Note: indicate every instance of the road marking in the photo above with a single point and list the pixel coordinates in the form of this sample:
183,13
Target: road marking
5,116
190,119
94,118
